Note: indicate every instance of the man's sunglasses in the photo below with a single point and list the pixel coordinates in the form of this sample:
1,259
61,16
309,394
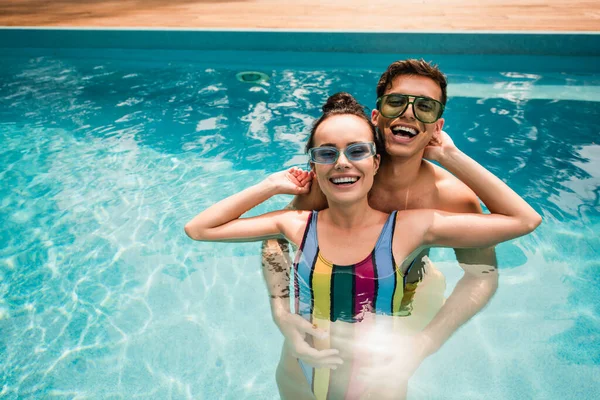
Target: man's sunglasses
329,155
425,109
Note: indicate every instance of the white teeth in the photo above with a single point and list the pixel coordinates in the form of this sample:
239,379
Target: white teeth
403,129
344,180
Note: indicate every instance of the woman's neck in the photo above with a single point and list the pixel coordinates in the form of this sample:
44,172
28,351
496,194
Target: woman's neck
349,216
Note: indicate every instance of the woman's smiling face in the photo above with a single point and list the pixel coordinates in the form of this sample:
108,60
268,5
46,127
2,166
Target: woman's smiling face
345,181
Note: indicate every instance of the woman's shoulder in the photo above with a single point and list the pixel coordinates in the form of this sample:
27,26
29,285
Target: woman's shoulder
411,212
294,222
295,216
413,217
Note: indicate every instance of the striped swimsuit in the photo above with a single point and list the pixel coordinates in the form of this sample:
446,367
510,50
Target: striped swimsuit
325,292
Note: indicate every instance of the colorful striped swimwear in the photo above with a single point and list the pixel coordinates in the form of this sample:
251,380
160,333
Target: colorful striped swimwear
325,292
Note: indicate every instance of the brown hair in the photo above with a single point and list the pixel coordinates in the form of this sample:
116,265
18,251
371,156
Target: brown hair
343,103
412,67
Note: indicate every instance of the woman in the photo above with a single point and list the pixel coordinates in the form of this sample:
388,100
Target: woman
347,277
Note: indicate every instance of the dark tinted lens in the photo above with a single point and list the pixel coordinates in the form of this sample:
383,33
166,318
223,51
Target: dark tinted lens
393,105
427,110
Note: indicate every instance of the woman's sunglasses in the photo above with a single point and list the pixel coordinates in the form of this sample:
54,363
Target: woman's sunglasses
329,155
425,109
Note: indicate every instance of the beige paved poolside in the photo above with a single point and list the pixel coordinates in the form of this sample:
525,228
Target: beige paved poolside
387,15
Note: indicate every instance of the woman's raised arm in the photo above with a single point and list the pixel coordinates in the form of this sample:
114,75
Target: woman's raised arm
512,216
222,222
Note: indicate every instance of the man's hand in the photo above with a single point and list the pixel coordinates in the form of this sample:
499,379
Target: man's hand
291,181
393,359
295,328
439,146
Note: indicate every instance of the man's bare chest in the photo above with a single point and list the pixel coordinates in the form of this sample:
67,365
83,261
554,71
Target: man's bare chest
404,199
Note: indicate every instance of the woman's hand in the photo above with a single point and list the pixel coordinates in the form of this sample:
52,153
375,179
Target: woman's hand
291,181
440,146
314,200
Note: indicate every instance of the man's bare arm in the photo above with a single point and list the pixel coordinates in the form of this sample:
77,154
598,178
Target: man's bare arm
276,267
479,281
472,292
276,260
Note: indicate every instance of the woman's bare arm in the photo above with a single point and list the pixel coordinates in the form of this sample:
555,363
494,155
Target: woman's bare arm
222,222
512,216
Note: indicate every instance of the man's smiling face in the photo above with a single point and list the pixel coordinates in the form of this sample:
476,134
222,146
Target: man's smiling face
405,136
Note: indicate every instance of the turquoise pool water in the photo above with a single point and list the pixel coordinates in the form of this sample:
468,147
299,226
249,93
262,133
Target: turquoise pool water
103,296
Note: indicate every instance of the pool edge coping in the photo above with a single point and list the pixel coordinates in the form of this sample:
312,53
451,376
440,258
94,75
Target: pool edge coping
372,42
272,30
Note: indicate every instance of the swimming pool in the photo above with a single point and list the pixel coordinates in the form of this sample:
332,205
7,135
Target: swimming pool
103,159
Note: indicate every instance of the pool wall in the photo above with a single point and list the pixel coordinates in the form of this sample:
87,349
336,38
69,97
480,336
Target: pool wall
478,50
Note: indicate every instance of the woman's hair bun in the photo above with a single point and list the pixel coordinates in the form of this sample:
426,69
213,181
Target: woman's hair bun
342,102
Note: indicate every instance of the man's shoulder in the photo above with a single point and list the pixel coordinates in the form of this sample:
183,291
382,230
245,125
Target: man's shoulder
452,194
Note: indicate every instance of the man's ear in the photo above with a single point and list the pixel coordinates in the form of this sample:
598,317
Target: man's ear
374,117
439,125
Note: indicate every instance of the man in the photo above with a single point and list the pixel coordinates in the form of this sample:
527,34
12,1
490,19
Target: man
407,125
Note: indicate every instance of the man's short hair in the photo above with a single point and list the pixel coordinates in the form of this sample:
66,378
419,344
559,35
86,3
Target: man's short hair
412,67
